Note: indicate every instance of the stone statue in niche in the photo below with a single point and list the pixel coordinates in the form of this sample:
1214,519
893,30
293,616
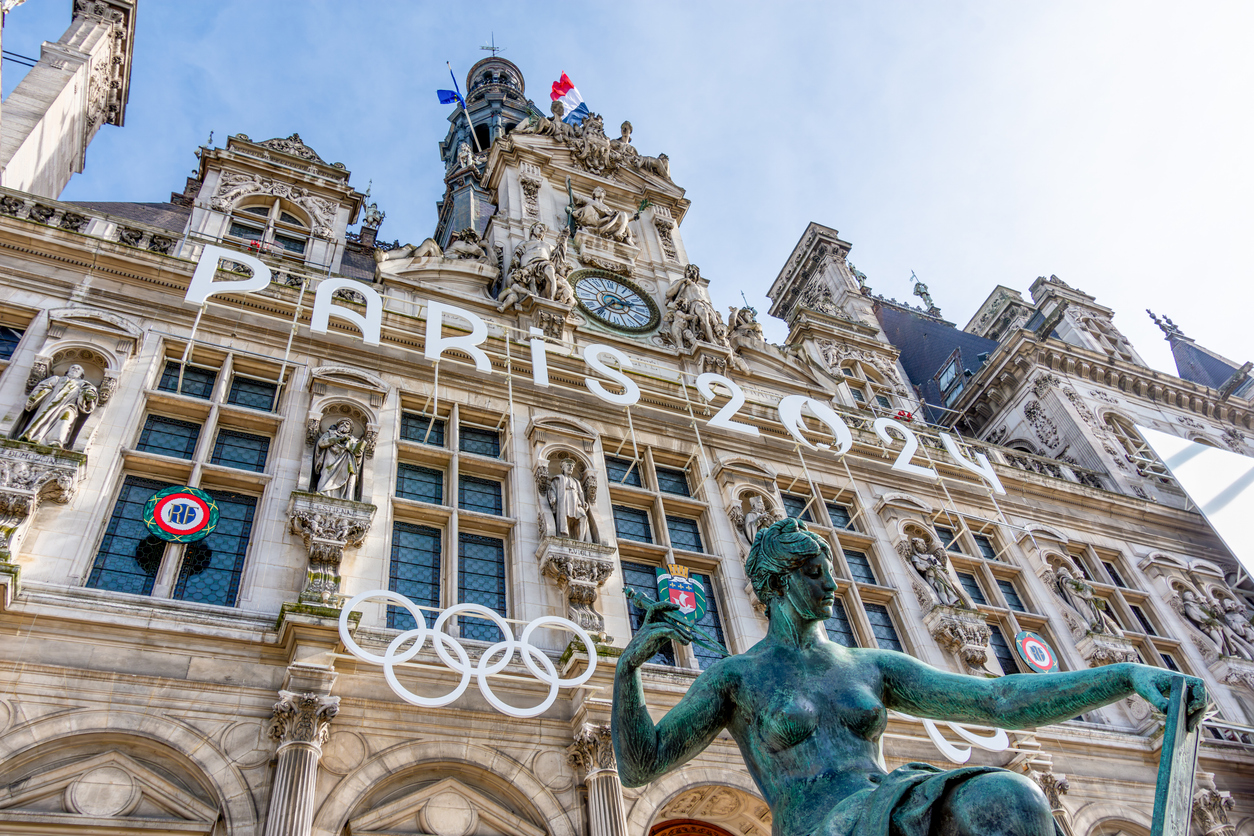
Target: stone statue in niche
809,714
538,268
933,565
1212,622
689,310
569,502
54,407
1237,617
596,216
1078,594
759,516
337,461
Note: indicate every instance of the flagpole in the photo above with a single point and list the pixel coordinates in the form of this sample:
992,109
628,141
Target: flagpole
462,99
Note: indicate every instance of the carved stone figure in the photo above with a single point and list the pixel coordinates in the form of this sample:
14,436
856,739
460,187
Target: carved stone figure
465,156
1213,625
337,461
427,249
595,215
567,500
539,268
689,309
933,565
1237,619
1078,594
743,327
808,714
372,216
467,245
327,527
54,407
759,517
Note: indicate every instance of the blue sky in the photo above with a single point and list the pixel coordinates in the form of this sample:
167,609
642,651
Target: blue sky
975,143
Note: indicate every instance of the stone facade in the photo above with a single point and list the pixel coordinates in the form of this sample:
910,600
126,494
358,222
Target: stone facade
202,687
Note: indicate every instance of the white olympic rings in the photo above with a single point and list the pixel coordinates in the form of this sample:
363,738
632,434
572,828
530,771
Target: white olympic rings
442,642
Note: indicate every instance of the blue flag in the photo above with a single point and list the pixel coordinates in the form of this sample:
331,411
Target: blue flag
448,96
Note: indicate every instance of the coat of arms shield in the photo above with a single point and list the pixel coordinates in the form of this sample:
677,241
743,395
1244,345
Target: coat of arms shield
676,584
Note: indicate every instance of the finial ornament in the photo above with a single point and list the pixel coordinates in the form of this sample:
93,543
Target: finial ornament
1169,328
920,290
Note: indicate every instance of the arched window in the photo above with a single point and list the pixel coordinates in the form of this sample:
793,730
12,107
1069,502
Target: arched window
866,386
1137,451
271,226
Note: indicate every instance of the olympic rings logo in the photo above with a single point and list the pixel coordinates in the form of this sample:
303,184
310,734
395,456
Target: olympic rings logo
460,661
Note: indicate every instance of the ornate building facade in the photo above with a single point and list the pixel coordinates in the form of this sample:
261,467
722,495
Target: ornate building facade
533,411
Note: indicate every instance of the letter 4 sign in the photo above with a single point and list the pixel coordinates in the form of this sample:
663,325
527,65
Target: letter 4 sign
181,514
1036,652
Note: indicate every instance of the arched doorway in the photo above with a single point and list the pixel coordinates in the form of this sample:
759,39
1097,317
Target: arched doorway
713,810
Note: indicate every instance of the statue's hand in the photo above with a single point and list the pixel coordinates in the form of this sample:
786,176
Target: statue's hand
653,634
1154,685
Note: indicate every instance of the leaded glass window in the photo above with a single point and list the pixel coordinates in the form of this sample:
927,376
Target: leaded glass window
169,437
1012,595
840,514
252,393
860,567
987,550
972,586
838,628
883,401
946,536
480,441
1146,624
623,471
632,524
480,580
9,338
1001,649
129,555
685,533
212,567
710,623
422,428
414,570
670,480
1115,577
482,495
796,507
422,483
882,626
243,450
1170,662
197,381
290,243
643,579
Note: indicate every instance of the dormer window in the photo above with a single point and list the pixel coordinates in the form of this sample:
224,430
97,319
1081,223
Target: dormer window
272,226
866,385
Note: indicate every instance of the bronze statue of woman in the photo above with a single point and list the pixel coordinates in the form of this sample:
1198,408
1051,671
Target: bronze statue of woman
808,715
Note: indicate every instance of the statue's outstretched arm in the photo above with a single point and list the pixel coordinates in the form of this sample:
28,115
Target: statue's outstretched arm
1024,701
646,751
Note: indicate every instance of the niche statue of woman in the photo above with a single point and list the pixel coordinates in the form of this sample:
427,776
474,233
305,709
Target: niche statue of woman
808,715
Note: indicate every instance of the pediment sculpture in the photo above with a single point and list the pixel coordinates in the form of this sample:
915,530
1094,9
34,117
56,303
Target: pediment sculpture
690,317
538,268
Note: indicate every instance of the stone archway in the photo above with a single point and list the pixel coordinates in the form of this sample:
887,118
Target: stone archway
713,810
688,827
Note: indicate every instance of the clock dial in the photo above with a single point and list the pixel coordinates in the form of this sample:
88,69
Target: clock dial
614,302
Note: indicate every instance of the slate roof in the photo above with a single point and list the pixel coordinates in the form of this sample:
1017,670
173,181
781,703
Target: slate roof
1198,365
358,265
926,344
169,216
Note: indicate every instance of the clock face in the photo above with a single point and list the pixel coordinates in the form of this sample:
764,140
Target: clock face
614,302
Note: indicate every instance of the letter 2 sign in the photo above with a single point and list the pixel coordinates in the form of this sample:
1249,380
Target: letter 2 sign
181,514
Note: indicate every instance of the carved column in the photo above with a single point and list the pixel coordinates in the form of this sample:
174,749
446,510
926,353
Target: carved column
594,752
1210,808
301,725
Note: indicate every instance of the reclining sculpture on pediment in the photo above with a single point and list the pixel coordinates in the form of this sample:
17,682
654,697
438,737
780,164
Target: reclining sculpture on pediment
690,317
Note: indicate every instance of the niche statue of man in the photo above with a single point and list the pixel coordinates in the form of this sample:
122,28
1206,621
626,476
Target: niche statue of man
54,407
570,505
337,461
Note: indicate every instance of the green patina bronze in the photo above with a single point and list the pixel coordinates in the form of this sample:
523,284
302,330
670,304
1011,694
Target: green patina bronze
808,715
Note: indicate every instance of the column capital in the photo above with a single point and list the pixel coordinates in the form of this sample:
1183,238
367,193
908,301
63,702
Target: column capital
303,718
593,749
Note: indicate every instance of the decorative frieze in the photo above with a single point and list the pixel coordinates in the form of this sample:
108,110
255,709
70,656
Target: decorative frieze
327,526
580,570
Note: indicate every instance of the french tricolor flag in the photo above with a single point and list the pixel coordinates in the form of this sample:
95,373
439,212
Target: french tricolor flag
564,91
